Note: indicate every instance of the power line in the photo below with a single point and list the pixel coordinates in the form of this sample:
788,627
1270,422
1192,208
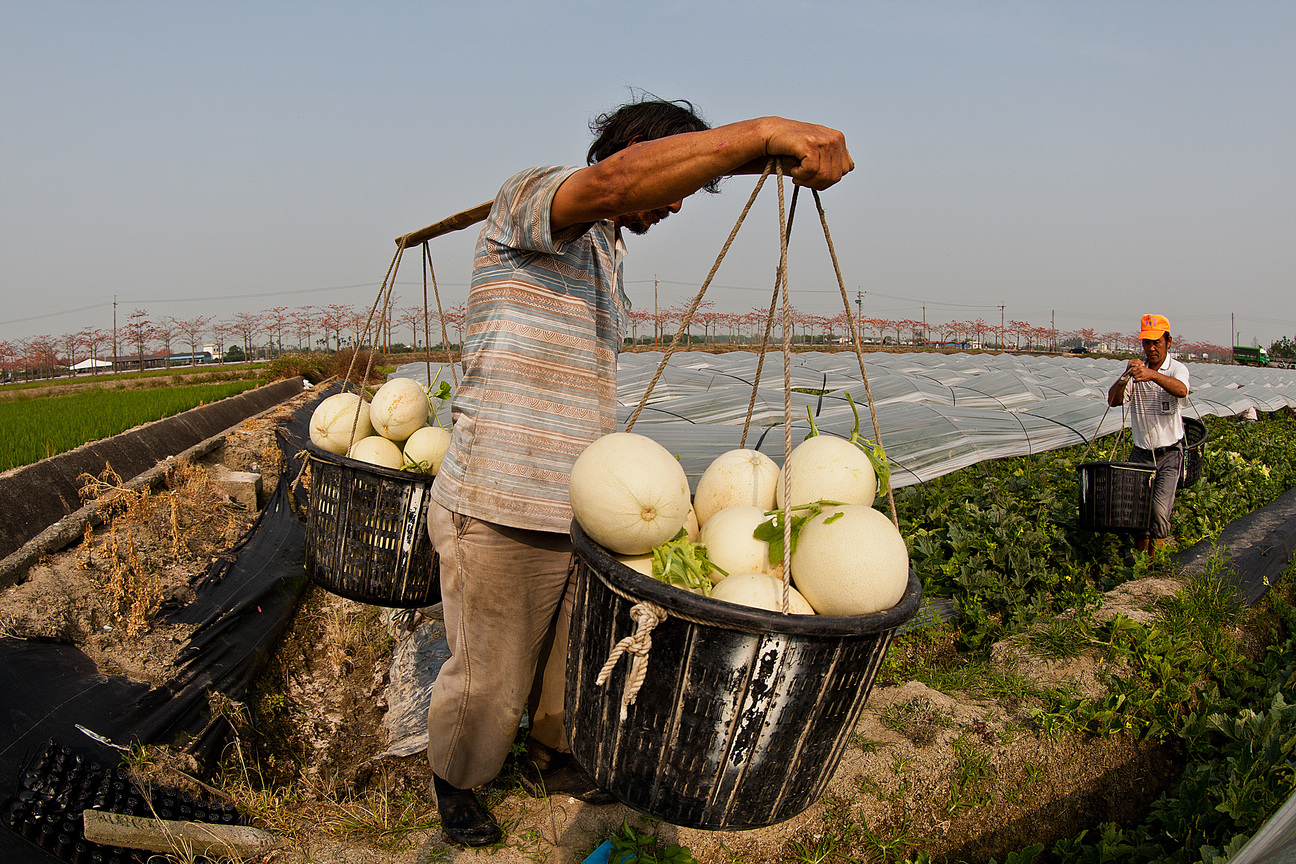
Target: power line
89,308
208,298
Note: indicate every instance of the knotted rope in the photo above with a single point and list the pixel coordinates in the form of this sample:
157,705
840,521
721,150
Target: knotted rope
646,617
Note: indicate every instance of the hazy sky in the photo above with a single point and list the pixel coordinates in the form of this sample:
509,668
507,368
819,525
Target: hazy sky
1093,160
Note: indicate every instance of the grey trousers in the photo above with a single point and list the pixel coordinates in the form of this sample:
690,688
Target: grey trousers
507,610
1168,464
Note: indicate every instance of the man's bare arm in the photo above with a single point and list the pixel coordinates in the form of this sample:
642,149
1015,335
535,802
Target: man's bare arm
653,174
1168,383
1139,371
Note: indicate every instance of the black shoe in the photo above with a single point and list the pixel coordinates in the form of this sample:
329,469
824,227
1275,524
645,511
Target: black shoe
545,771
571,779
463,819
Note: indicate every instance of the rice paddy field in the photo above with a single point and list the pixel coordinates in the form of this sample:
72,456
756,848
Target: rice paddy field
33,429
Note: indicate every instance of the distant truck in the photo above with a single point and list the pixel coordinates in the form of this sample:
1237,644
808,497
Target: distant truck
1245,355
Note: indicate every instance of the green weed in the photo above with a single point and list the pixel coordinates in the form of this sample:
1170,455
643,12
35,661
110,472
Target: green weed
630,845
1061,637
969,786
918,719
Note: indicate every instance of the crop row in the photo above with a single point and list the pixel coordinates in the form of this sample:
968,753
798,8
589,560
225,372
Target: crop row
31,430
1001,538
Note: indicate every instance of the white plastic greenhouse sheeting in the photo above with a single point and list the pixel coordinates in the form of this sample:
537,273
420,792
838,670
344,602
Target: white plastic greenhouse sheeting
937,412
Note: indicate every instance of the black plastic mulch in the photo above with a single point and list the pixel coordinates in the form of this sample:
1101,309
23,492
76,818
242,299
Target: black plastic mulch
241,608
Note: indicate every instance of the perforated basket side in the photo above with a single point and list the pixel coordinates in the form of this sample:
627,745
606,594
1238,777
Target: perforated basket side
366,534
1194,452
1115,496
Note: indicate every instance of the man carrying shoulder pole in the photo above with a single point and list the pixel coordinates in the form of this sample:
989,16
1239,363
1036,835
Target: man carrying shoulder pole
545,319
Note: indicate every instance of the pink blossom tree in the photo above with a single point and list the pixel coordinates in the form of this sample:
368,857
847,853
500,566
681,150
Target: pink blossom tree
139,333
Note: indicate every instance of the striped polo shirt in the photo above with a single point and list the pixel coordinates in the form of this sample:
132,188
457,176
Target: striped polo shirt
1156,417
544,325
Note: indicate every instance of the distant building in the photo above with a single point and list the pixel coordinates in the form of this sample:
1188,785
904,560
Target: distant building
158,360
90,364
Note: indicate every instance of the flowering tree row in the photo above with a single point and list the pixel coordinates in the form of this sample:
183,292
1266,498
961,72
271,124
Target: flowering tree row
331,327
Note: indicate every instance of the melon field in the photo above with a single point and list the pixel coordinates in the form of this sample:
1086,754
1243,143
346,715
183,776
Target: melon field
1058,706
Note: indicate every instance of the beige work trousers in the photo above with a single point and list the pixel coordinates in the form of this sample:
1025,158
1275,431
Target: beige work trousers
507,610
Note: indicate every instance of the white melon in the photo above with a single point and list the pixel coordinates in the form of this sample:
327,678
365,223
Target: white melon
399,408
333,420
638,563
728,539
628,493
734,478
850,560
826,468
760,591
377,450
425,448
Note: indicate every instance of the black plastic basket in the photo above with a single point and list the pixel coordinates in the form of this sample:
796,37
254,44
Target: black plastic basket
743,714
366,532
1194,452
1116,496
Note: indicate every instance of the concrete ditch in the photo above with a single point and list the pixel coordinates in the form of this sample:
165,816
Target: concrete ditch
43,511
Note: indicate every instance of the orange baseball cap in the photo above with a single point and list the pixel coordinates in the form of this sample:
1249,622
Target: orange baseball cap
1152,326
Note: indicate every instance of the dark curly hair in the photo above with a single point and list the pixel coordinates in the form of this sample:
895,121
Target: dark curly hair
645,119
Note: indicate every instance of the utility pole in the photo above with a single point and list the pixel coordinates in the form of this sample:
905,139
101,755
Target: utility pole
655,311
1053,327
859,313
114,362
1001,326
1232,335
924,325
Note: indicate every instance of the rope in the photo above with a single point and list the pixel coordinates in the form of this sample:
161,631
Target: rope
688,315
1116,442
388,282
646,617
304,458
427,328
384,300
769,328
1084,456
859,350
787,393
445,337
760,362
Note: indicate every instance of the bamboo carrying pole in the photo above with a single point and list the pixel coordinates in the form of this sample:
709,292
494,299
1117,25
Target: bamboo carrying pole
457,222
473,215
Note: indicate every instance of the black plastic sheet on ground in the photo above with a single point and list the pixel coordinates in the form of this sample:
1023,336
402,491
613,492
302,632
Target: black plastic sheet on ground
1253,550
241,608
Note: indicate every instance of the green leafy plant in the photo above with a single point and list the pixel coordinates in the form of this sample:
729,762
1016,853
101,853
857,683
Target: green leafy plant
1002,538
969,786
630,846
1241,767
771,530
